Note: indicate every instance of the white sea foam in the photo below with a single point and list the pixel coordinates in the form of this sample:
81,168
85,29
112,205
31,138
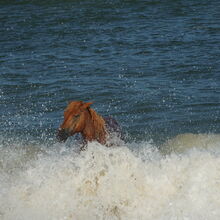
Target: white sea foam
133,181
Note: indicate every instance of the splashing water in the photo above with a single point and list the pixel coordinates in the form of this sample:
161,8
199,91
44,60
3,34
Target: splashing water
109,183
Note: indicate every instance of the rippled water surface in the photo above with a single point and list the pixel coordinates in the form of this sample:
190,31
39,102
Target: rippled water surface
152,65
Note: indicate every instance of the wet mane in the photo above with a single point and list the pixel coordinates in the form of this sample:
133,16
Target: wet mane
99,124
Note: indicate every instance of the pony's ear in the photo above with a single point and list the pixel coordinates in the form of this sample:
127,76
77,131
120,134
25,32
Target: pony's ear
87,105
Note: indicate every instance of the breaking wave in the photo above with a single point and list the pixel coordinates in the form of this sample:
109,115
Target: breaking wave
132,181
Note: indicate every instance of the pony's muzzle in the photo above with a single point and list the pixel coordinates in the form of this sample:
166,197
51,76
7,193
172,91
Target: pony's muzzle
62,134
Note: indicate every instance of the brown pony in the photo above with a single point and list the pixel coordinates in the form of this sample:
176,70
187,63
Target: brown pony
80,118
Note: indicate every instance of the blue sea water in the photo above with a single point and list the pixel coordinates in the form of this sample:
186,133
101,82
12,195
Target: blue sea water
153,65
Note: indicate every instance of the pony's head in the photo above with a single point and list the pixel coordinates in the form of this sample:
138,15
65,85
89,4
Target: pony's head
75,117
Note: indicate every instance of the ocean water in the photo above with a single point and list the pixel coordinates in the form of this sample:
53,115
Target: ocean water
152,65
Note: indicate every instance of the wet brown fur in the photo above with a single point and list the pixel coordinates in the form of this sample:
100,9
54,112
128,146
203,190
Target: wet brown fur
80,118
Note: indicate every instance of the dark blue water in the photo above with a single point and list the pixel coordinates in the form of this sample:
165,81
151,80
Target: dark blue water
153,65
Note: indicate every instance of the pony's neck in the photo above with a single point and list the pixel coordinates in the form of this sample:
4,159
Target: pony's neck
94,127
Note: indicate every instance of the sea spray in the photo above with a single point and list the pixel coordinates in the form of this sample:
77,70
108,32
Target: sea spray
125,182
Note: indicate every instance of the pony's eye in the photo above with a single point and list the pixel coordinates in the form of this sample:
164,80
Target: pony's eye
76,116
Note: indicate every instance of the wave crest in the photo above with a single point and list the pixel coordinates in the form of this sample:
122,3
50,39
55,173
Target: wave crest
124,182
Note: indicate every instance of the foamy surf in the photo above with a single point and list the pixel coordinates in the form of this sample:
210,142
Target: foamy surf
133,181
